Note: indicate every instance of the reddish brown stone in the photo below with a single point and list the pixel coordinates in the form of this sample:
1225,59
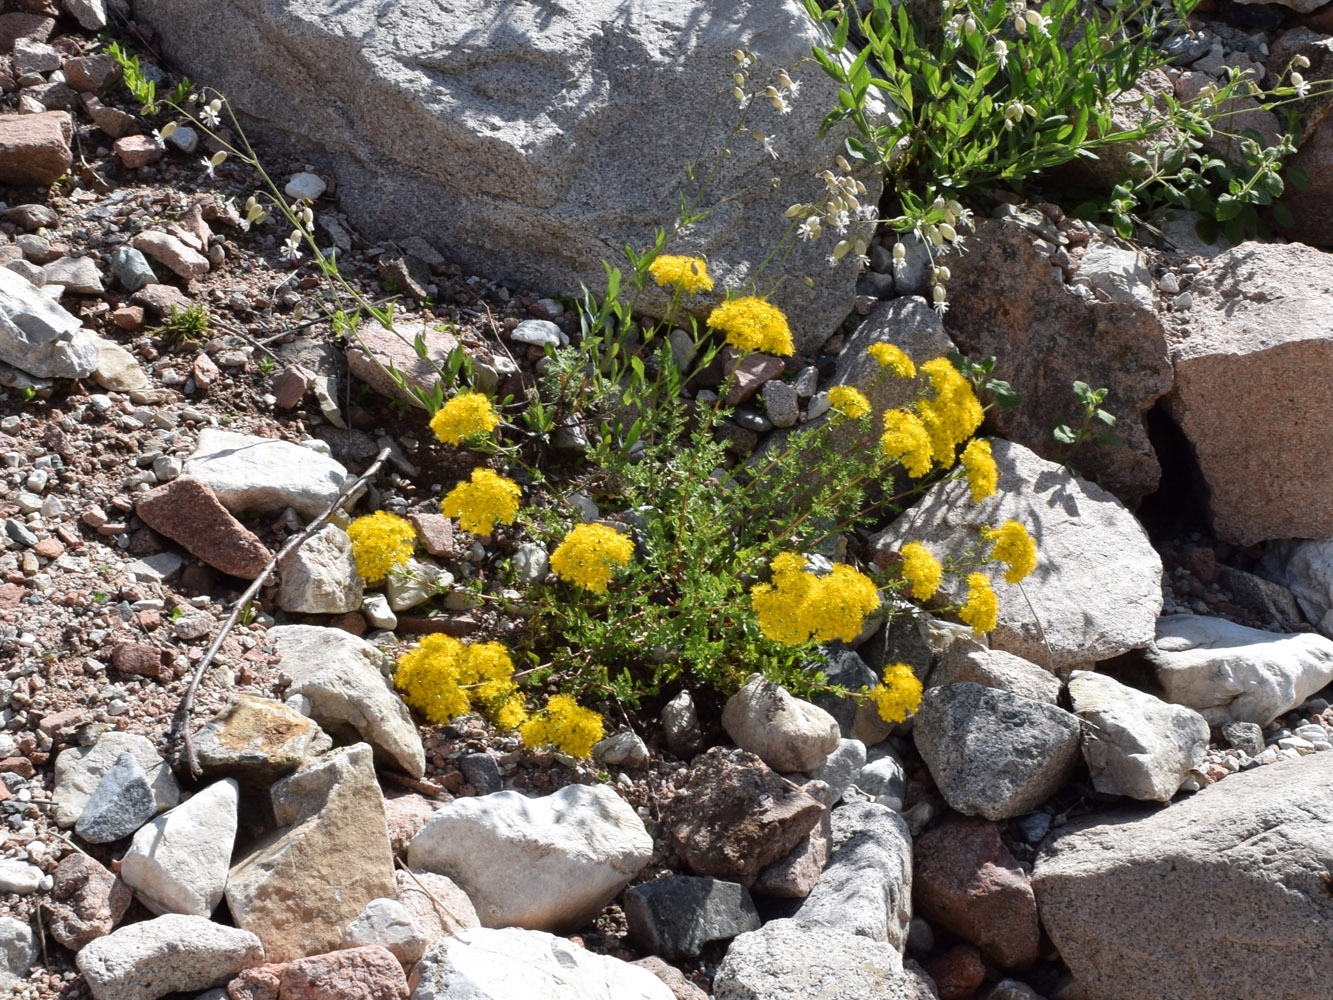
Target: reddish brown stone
137,151
966,880
128,317
87,901
374,349
289,386
11,594
63,722
49,548
406,815
435,532
749,376
957,972
188,512
112,121
34,149
94,73
205,371
350,622
18,24
457,626
160,299
672,977
21,766
260,982
367,973
136,658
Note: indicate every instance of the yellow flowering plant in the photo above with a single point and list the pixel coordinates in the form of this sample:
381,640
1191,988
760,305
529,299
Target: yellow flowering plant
489,498
381,542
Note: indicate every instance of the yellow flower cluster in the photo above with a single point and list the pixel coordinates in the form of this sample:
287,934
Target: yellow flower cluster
689,274
380,541
892,358
906,440
899,695
921,570
443,678
980,468
565,725
1014,547
954,413
751,324
589,554
982,608
488,498
848,402
798,606
466,416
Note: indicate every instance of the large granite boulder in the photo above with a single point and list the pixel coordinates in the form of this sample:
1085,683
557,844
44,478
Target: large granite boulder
1223,894
533,141
1253,357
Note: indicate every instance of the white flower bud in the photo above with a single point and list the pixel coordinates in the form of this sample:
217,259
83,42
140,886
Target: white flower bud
940,294
167,129
942,273
970,25
784,79
217,158
795,210
842,162
947,231
1301,62
899,252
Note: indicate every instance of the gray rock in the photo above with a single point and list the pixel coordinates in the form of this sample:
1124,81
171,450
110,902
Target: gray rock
305,187
1231,673
680,723
1246,736
20,533
781,404
172,953
264,474
481,772
541,332
1305,566
131,268
841,768
78,274
386,922
184,138
178,862
375,606
786,733
1122,274
884,778
79,770
120,804
512,964
845,668
531,563
415,582
319,577
621,750
992,753
91,14
867,886
968,660
576,849
342,677
1096,591
1259,336
1245,861
785,960
18,949
676,916
1135,744
535,222
38,336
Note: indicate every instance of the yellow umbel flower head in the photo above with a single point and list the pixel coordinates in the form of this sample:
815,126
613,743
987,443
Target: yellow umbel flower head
466,416
565,725
1014,547
906,440
982,608
899,695
848,402
751,324
443,678
589,554
799,606
380,541
921,570
980,468
478,505
689,274
893,359
953,415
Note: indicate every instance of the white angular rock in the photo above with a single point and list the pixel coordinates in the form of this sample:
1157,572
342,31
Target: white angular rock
414,582
1097,588
305,187
1122,274
319,577
178,862
264,474
117,369
1231,673
342,677
90,14
786,733
38,336
375,607
967,660
439,908
1128,896
513,964
518,103
575,850
168,954
19,877
79,770
18,951
387,922
1135,744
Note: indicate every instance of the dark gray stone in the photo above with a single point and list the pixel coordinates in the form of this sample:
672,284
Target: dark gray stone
20,533
121,803
993,753
884,778
131,269
1245,736
481,772
675,917
1270,601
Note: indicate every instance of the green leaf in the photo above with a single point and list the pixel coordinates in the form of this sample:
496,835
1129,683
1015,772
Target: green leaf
1063,433
841,32
1282,216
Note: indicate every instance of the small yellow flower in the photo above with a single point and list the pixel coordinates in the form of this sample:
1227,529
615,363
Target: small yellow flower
589,554
982,608
689,274
905,439
899,695
1014,547
488,498
467,415
892,358
751,324
921,570
799,606
849,402
565,725
380,541
954,413
443,678
980,468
